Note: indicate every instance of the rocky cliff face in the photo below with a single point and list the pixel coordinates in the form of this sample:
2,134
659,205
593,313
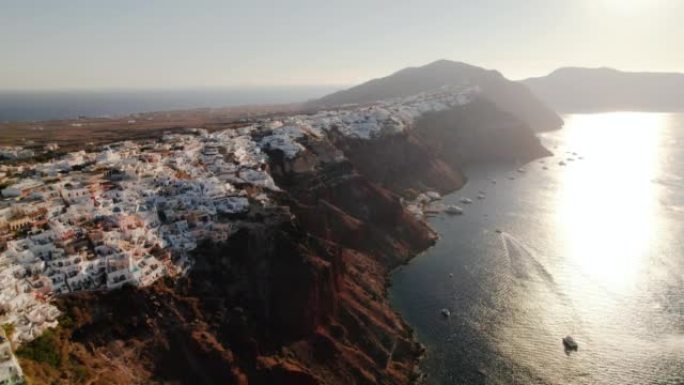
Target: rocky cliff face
478,132
285,302
430,156
298,295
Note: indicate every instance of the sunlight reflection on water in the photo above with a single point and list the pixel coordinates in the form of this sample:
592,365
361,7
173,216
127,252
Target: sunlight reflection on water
592,248
608,224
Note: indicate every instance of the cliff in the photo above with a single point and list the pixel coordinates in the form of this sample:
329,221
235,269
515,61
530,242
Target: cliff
285,302
431,156
297,295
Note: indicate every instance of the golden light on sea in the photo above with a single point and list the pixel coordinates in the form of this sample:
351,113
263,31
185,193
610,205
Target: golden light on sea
607,228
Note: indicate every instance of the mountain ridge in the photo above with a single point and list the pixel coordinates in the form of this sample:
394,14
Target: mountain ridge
580,89
507,95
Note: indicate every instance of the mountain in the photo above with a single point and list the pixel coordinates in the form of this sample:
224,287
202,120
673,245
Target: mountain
605,89
507,95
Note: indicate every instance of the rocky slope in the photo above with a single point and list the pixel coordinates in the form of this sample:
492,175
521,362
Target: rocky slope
607,89
298,294
288,301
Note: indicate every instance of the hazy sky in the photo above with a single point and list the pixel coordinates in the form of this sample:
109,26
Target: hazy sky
173,43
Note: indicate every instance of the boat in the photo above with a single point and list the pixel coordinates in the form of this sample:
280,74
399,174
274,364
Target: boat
446,313
466,200
433,195
569,343
480,196
453,210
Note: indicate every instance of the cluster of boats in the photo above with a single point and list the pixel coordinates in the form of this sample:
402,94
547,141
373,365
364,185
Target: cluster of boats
568,342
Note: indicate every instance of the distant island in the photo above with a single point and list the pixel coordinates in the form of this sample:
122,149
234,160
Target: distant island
606,89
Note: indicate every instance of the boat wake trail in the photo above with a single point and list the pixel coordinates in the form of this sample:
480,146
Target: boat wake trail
524,263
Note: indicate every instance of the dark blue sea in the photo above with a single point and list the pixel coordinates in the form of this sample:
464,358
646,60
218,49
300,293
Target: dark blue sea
45,105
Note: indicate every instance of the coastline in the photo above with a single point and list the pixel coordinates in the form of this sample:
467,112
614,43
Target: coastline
303,297
422,348
423,351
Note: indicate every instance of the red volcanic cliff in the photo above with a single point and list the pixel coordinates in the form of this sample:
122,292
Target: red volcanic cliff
432,154
298,296
285,302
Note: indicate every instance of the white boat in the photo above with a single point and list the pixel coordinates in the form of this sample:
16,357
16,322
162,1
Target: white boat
466,200
446,313
453,210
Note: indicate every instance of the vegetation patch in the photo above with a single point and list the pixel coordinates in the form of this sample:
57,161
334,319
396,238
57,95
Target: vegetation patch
43,350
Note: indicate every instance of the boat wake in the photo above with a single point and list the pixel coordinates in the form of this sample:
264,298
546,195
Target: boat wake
524,263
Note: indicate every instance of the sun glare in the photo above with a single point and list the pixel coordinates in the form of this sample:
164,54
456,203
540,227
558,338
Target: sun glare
607,227
630,6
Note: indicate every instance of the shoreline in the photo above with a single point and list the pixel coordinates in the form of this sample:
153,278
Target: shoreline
274,298
423,350
426,217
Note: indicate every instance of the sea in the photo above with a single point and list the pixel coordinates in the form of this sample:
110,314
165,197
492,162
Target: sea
66,104
587,243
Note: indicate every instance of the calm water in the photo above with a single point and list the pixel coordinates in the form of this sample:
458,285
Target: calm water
594,249
43,105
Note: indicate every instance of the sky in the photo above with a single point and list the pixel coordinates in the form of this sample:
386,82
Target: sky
92,44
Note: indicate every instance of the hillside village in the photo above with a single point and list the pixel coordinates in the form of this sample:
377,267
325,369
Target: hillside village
133,212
